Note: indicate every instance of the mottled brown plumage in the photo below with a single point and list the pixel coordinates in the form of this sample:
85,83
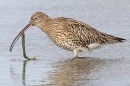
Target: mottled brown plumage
70,34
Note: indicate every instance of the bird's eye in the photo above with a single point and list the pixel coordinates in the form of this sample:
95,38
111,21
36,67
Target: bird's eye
35,18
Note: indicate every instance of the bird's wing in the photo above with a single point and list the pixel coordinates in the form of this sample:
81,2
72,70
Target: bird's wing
84,32
89,35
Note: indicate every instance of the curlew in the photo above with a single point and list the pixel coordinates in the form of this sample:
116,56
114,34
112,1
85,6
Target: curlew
69,34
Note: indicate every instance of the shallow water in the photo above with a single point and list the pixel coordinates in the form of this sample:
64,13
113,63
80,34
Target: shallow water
108,66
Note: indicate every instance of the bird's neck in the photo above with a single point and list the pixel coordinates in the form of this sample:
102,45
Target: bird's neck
45,25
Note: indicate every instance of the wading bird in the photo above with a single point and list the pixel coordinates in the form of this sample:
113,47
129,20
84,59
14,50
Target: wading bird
69,34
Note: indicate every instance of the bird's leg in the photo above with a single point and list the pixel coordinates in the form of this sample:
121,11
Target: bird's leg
75,53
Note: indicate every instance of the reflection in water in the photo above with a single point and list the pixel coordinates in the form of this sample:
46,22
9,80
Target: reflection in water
74,71
24,72
17,77
70,72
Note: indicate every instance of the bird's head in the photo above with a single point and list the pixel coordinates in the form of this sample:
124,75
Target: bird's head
36,19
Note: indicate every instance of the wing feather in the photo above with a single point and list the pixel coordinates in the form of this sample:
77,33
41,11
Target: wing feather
88,34
84,34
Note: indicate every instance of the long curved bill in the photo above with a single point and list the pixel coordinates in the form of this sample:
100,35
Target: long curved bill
18,36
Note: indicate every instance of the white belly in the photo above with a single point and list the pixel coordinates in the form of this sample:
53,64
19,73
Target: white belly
84,49
94,46
90,47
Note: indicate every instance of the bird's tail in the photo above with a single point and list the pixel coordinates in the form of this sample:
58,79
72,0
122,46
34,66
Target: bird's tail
121,39
106,38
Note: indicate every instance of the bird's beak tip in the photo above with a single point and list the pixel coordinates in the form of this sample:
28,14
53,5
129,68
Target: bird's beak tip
18,36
